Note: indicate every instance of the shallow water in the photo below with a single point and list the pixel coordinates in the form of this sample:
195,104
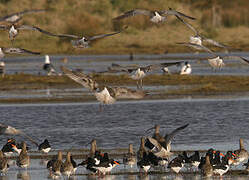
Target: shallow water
97,63
217,123
220,122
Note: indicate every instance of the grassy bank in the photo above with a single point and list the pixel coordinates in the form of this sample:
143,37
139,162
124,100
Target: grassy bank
198,84
95,17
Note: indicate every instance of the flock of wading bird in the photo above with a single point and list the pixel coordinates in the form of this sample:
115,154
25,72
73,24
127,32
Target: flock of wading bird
154,153
103,93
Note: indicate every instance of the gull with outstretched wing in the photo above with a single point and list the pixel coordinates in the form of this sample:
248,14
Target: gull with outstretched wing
155,16
84,42
13,30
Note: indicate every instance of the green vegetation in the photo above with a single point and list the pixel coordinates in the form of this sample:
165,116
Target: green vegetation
95,17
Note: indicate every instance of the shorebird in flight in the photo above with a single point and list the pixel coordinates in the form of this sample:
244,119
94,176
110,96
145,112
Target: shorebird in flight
13,30
155,16
84,42
161,146
104,94
4,51
138,73
15,17
198,39
217,62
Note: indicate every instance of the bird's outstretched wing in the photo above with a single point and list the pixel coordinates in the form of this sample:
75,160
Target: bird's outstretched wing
35,28
215,43
169,137
245,60
126,93
81,78
196,46
19,51
67,36
133,13
102,36
9,130
176,13
187,24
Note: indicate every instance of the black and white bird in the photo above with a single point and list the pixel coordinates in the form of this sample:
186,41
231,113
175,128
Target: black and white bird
155,16
139,72
48,66
144,164
186,69
105,165
7,149
44,146
176,164
15,17
163,146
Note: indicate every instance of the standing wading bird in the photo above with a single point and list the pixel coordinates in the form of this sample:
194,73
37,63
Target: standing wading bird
48,67
207,169
104,94
23,159
15,17
129,158
155,16
67,167
241,154
3,163
138,73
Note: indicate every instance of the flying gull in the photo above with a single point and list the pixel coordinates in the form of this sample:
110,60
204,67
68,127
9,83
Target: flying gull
13,30
155,16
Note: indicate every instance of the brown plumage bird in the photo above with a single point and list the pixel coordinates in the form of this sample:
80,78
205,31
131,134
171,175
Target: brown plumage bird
67,167
56,166
3,163
207,169
23,159
142,149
